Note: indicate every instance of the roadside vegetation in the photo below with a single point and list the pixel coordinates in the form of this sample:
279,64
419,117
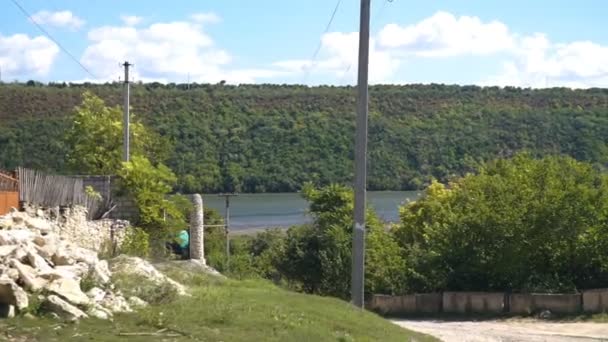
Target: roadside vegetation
222,310
512,224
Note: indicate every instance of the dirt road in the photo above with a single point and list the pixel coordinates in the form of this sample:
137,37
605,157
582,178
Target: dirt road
508,330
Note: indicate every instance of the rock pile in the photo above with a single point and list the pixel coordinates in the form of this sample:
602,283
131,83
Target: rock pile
37,267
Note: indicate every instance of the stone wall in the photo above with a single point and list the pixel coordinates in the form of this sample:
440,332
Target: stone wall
524,303
70,223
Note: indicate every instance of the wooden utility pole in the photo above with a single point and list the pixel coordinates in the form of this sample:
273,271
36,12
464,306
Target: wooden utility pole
126,154
358,256
227,225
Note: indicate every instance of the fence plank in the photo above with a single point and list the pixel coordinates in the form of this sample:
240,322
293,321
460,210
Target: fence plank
38,188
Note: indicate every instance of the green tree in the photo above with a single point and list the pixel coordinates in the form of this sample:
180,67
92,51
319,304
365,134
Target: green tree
95,139
318,256
519,224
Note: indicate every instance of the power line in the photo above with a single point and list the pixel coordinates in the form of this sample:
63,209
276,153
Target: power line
25,12
373,20
318,49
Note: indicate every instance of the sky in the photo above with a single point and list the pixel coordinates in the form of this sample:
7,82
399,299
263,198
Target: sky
533,43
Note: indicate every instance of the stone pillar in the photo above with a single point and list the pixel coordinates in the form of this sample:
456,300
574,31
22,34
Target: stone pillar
197,250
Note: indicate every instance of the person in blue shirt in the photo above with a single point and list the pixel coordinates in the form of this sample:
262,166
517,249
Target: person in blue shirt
181,245
184,243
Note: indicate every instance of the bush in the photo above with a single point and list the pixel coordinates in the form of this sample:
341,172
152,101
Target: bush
519,224
136,243
317,257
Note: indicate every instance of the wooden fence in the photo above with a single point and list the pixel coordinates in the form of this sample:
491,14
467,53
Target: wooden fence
9,195
45,190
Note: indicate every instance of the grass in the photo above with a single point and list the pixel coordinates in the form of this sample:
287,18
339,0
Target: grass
223,310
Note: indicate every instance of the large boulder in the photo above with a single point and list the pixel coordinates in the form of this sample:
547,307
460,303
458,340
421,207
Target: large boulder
7,250
133,266
100,272
62,308
68,289
28,276
37,261
99,312
12,294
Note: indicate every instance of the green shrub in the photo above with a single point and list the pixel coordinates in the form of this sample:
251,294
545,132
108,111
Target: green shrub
151,292
519,224
136,243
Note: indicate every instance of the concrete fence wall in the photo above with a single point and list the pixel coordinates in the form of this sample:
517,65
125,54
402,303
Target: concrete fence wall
427,303
595,301
473,302
522,303
589,301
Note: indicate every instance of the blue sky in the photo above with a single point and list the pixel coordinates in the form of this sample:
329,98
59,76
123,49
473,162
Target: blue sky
522,43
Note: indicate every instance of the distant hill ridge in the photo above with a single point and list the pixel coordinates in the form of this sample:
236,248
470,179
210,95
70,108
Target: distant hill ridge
273,138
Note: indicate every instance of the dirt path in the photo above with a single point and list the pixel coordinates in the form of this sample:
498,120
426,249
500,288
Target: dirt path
508,330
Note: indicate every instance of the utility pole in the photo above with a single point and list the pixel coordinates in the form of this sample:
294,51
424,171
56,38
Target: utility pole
125,155
227,225
358,256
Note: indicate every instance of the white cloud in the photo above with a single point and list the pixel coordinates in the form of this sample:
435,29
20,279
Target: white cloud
443,35
58,19
539,63
338,58
206,18
131,20
22,56
528,60
165,51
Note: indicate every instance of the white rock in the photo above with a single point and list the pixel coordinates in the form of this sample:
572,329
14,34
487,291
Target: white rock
38,262
87,256
7,250
79,269
101,272
47,251
63,308
12,294
68,289
15,237
61,258
96,294
18,217
20,253
28,276
139,267
136,302
40,224
58,274
99,313
116,304
12,273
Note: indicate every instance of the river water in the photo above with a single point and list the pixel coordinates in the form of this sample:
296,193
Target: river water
256,211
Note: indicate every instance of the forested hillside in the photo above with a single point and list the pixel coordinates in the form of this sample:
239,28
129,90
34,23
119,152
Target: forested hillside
270,138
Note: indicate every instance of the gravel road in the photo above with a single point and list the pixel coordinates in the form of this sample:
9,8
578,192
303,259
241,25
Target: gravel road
508,330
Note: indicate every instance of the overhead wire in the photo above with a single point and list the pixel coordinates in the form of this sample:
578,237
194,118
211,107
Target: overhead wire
48,35
318,49
374,19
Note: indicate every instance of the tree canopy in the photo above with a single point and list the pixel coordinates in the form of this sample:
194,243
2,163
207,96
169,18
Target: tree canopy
273,138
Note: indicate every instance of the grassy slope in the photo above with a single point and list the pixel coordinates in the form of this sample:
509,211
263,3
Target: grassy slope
225,311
